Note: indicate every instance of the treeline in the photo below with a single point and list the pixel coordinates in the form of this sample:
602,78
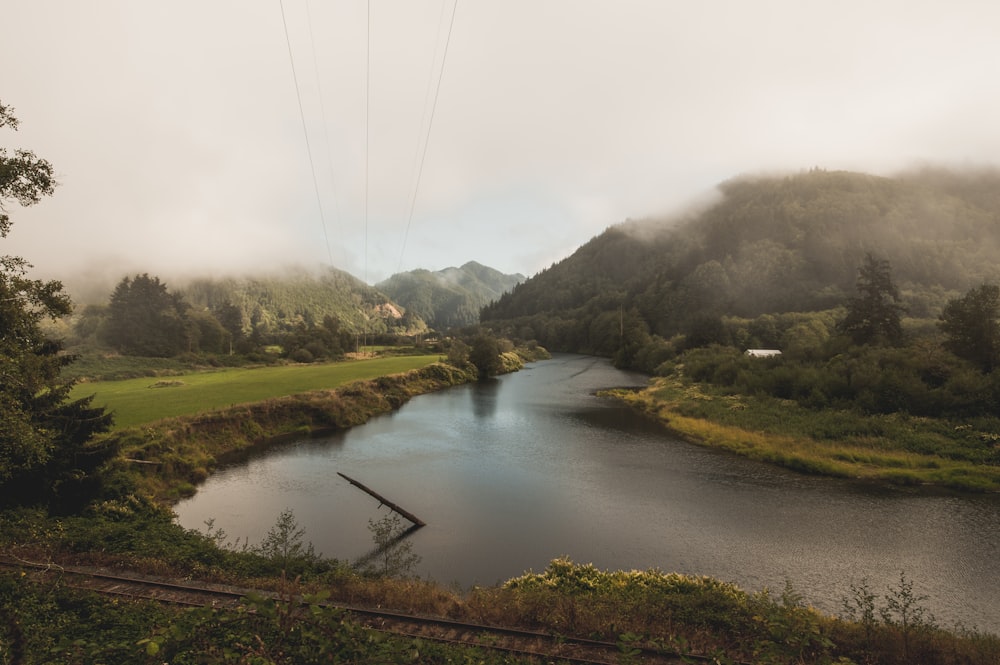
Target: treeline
781,264
868,361
280,301
144,318
861,356
768,246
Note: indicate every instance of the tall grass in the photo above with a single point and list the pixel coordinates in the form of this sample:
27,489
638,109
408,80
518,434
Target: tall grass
890,448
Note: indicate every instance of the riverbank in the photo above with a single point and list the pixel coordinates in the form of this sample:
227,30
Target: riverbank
145,399
691,618
168,458
892,449
709,617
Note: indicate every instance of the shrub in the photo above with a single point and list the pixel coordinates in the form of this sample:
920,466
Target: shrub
302,356
284,545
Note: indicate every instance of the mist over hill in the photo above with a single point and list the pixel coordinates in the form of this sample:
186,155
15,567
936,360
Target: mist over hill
451,297
279,300
297,295
769,245
273,300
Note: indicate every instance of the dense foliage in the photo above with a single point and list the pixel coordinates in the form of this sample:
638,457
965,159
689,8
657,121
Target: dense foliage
72,627
44,620
767,246
288,316
45,438
145,319
880,294
270,305
449,298
971,327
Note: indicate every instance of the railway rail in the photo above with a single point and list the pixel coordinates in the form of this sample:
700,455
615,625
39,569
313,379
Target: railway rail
545,647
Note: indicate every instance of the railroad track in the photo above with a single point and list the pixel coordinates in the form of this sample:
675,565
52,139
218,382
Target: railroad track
545,647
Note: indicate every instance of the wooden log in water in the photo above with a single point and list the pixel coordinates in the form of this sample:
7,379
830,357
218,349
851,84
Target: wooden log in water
382,500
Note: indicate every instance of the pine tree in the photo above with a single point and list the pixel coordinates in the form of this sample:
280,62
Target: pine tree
874,315
46,448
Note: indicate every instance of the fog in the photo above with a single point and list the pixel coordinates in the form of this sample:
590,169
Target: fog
182,144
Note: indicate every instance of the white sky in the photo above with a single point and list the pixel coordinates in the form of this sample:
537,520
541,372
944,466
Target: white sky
175,129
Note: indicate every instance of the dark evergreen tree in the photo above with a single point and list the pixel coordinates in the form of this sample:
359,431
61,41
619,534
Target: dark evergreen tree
45,438
145,319
874,315
971,328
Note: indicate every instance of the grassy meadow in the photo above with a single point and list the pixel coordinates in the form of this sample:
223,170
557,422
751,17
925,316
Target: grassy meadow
148,399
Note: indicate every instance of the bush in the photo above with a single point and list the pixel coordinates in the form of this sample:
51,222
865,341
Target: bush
302,356
284,545
713,363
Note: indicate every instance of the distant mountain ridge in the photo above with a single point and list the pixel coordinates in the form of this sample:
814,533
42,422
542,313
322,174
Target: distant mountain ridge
448,298
767,246
293,296
281,299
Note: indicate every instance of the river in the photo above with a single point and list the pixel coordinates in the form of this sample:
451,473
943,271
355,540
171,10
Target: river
512,473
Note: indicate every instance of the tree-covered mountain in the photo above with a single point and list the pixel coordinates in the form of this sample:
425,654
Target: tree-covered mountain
267,303
767,246
306,315
451,297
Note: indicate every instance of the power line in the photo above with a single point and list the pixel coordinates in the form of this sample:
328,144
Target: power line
322,114
368,94
305,132
430,124
427,97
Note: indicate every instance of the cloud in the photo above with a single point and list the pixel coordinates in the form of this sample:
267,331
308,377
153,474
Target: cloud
179,140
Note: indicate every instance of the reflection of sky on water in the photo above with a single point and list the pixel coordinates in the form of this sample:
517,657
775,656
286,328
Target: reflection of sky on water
514,472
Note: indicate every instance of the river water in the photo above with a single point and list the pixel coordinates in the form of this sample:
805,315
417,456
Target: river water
532,466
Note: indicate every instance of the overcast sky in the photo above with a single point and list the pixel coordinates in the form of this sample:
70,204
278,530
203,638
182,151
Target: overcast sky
176,133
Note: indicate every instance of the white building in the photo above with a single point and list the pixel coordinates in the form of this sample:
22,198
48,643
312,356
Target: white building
763,353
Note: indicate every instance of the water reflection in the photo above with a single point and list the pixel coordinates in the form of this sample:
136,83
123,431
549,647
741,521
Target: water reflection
514,472
483,396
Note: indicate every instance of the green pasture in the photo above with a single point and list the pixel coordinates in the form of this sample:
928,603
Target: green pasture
138,401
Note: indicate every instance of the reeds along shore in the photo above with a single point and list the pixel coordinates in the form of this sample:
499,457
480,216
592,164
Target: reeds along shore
880,448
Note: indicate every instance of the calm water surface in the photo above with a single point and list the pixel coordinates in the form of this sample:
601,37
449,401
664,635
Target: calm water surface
513,473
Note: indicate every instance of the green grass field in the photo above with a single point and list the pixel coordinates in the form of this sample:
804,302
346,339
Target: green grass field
138,401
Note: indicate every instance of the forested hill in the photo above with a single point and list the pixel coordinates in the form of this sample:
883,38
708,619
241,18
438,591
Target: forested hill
274,302
767,245
451,297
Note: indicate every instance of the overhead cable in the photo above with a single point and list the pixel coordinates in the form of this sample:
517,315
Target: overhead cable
368,86
305,132
430,124
322,114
